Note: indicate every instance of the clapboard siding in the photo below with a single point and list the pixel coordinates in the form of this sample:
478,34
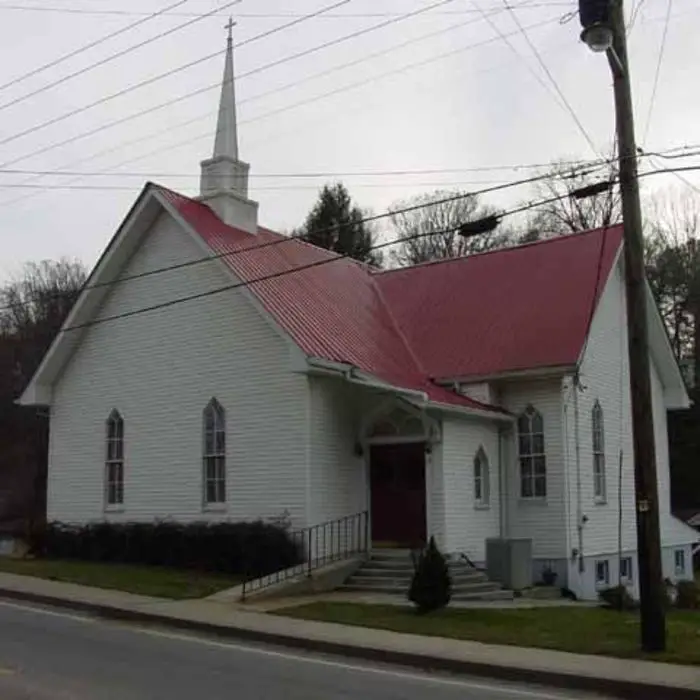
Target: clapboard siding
541,520
605,378
337,475
160,369
467,525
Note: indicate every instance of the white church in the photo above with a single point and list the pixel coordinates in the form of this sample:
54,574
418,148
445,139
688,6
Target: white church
214,369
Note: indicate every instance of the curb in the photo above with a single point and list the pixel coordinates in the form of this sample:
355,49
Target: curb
626,690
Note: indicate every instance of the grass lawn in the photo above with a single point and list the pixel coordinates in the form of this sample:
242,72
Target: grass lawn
144,580
579,630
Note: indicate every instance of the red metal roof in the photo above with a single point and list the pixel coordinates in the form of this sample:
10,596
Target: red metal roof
518,308
407,326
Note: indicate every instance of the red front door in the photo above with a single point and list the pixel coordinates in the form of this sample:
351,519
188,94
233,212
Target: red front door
397,482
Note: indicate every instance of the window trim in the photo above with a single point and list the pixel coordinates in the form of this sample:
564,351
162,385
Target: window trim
600,486
602,583
481,464
530,414
214,458
114,459
630,577
679,571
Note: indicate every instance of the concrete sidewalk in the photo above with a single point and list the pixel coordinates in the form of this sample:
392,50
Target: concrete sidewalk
619,677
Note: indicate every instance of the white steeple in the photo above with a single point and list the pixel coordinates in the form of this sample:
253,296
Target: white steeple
224,183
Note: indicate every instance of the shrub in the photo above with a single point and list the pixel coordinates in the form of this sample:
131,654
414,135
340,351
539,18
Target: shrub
617,598
252,549
431,587
687,595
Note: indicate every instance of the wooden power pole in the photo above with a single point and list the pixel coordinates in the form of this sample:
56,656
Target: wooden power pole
653,621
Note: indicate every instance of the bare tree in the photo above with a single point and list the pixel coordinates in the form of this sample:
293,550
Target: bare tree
673,268
566,213
33,307
430,232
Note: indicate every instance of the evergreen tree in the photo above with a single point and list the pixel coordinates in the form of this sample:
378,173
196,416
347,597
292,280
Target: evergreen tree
431,587
335,223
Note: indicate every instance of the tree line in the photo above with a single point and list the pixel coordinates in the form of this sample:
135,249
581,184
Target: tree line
34,304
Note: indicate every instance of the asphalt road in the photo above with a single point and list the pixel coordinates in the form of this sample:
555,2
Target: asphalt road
46,654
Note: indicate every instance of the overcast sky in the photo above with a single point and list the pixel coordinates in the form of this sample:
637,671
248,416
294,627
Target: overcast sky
442,90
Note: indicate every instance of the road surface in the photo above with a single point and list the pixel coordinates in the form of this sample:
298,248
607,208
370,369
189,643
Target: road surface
48,654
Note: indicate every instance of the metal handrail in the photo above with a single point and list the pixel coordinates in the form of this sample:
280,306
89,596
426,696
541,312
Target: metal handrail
318,545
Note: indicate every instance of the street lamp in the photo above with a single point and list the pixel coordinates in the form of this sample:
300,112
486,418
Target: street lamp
595,19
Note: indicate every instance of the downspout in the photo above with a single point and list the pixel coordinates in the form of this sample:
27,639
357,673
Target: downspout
503,484
579,499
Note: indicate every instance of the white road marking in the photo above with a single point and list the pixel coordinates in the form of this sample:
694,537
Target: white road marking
42,611
403,675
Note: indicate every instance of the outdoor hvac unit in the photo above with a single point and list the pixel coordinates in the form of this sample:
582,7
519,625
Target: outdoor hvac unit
509,562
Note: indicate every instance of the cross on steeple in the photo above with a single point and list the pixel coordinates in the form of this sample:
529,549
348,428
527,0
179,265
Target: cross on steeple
230,25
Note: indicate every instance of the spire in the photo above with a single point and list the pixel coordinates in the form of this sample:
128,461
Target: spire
224,184
226,143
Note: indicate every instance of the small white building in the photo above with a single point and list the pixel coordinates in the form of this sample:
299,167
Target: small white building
213,369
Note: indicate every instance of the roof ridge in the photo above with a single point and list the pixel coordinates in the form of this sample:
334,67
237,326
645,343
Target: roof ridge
556,238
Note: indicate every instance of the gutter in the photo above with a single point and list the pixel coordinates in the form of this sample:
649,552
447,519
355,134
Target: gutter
351,374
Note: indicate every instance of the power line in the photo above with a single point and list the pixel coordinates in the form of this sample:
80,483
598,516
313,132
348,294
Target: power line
401,69
150,81
92,44
329,229
269,277
317,174
199,91
254,15
657,73
154,79
300,268
561,94
512,47
102,62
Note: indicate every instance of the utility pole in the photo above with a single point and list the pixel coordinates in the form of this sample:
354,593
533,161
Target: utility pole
653,622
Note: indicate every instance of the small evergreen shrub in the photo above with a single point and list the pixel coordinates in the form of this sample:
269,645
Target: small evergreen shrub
247,548
431,586
687,595
617,598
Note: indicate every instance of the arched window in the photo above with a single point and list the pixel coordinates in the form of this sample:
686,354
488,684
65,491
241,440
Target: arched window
598,427
214,454
114,460
531,453
482,482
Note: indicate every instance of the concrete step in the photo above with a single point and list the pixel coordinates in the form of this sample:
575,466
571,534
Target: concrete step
498,594
403,584
468,575
407,563
480,592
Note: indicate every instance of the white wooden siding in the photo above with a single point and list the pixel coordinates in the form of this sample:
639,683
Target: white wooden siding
541,520
467,526
338,485
605,377
160,369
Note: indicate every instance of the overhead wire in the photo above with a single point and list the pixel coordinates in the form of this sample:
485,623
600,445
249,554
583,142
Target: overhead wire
282,240
553,80
243,15
122,30
365,220
208,133
217,85
657,72
259,69
293,270
102,62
